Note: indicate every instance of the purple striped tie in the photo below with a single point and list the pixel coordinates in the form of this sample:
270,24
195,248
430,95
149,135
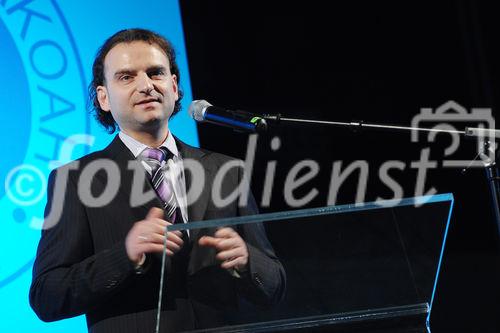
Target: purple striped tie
155,158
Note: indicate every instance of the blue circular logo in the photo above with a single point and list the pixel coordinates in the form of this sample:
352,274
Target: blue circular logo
43,102
15,104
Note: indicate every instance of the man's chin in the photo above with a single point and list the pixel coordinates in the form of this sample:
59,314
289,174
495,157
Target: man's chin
154,123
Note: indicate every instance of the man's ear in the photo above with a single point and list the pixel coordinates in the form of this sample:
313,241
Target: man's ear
103,98
175,86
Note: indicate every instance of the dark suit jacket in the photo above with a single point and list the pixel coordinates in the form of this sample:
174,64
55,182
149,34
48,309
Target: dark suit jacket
82,266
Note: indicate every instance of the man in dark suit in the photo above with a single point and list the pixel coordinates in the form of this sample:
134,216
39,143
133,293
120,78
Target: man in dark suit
100,251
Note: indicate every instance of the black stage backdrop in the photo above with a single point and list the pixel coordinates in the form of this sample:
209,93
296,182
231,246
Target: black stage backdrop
373,61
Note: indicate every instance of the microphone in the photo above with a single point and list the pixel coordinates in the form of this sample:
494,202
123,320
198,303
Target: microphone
201,111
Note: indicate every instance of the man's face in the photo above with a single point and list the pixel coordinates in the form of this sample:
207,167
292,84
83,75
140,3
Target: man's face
139,91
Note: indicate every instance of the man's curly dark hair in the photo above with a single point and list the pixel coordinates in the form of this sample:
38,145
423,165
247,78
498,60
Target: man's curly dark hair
126,36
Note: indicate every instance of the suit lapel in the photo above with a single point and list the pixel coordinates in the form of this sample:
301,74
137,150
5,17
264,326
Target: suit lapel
196,208
201,257
118,152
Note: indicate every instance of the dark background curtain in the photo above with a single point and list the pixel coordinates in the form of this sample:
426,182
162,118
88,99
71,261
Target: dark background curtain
373,61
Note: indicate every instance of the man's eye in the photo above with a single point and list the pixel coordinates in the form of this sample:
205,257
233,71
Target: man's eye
125,77
157,73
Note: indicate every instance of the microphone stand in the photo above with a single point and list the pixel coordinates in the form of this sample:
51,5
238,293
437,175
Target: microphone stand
490,165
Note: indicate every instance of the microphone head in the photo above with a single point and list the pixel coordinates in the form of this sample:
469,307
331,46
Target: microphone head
197,109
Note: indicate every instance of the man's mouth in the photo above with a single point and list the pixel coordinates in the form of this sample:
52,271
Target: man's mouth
148,100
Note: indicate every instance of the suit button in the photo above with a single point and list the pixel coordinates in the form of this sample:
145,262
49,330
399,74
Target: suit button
111,284
256,278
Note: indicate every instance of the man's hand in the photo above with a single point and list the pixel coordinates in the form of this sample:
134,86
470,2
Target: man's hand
148,236
231,248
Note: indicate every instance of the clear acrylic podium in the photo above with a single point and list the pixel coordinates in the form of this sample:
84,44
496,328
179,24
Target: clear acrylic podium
370,267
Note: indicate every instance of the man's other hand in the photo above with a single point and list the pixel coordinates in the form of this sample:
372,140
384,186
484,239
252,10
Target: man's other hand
231,249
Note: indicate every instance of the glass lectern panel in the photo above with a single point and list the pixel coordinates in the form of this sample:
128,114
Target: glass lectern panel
361,267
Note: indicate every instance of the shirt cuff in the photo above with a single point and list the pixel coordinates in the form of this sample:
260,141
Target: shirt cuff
139,269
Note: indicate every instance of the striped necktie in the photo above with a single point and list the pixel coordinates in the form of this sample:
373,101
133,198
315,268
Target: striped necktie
155,158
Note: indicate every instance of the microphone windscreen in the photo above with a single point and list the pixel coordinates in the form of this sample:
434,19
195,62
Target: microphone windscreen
197,109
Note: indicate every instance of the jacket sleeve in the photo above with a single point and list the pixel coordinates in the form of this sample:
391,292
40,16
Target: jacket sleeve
265,280
68,277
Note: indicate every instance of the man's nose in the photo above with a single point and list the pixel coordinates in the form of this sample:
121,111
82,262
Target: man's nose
144,83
